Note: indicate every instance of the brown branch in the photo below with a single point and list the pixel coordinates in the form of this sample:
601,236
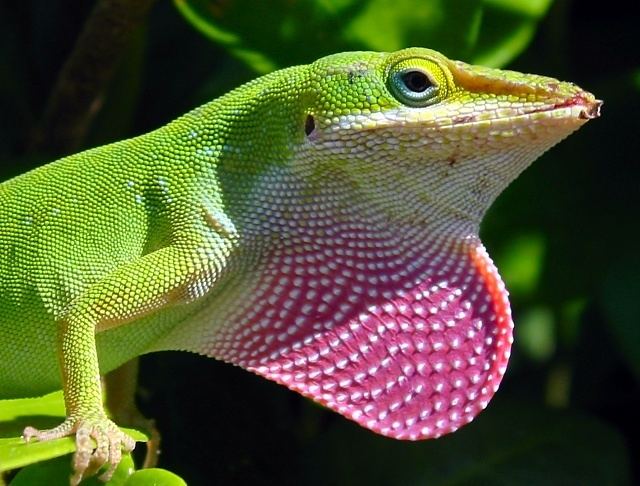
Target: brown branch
77,95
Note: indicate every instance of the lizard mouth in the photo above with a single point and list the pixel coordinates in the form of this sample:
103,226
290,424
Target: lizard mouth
581,106
590,106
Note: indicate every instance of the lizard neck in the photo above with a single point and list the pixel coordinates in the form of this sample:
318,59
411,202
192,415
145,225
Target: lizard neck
290,205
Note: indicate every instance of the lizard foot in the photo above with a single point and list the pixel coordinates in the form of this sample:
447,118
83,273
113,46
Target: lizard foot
110,442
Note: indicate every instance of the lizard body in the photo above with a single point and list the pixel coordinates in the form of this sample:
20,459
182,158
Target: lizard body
317,226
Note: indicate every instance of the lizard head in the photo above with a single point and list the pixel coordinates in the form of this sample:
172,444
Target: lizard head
435,135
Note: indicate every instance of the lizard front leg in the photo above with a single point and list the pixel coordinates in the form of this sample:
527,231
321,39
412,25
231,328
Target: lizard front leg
140,287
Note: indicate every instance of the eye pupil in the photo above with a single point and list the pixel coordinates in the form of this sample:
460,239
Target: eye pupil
416,81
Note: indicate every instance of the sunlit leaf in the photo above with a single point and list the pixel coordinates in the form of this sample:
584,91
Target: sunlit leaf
42,412
450,26
57,471
155,477
528,8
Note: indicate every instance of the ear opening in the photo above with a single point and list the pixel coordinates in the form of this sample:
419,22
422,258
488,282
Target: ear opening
309,124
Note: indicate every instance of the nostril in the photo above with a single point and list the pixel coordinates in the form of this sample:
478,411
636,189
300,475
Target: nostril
592,110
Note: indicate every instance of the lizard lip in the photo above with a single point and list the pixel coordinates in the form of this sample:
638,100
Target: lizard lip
590,105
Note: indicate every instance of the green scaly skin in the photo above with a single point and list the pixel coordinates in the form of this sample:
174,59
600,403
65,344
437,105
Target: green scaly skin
160,241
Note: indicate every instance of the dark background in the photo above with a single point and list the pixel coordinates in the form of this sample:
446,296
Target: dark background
565,236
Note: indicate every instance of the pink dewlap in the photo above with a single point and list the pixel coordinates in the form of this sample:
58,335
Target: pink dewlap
411,354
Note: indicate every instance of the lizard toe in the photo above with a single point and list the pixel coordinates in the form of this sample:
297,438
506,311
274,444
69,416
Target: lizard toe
110,441
63,430
99,442
82,456
115,455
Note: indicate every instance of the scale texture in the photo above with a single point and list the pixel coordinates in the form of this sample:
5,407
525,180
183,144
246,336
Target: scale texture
317,226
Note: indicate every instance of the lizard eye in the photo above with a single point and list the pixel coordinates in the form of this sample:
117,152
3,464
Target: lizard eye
414,85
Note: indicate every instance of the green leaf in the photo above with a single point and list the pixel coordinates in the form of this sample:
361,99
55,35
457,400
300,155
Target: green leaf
529,8
57,471
281,32
155,477
450,26
507,28
50,405
42,412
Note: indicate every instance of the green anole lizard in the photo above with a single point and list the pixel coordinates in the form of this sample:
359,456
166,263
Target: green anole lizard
317,226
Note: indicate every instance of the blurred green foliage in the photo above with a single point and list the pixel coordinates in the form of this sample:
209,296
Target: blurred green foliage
565,236
301,31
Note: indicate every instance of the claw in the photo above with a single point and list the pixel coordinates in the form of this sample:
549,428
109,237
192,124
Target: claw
110,442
